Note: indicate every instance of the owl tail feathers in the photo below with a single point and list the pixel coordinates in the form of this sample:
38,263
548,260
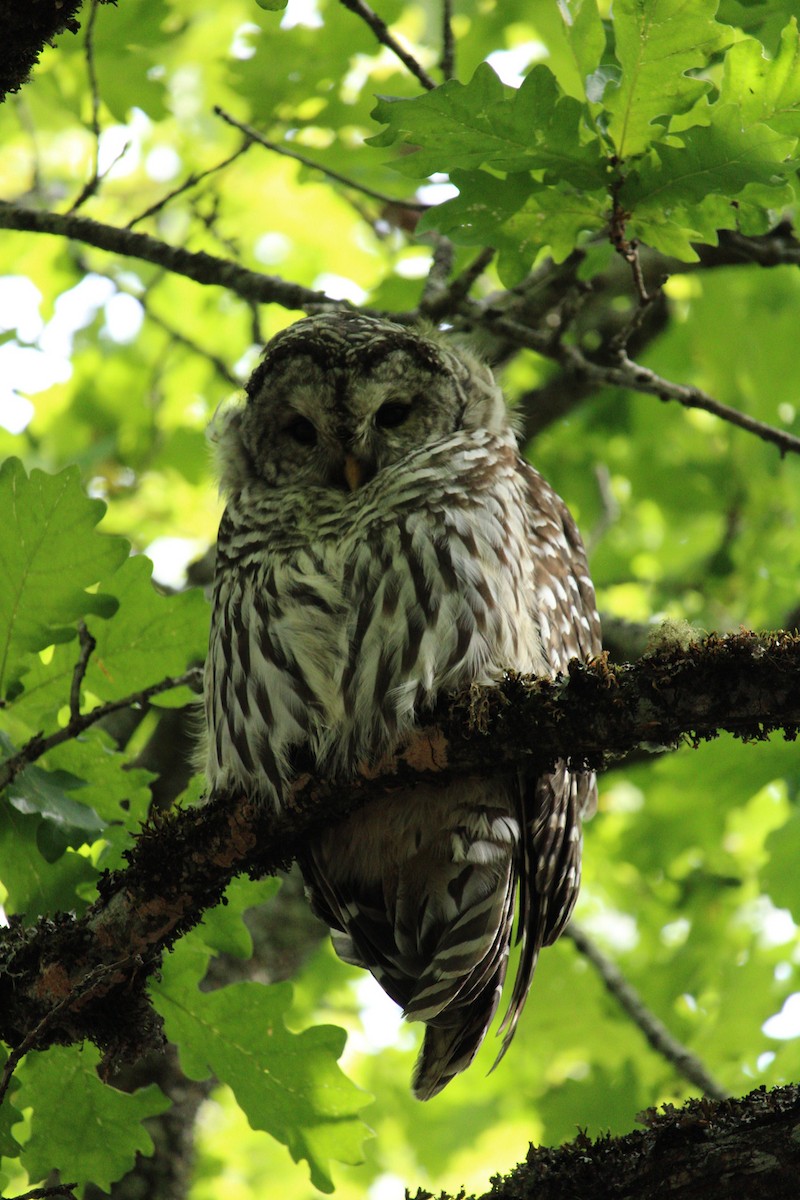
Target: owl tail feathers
444,1054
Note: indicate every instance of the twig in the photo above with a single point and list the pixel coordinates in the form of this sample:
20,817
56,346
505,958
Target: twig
450,299
473,271
199,266
87,645
221,367
381,31
92,981
618,344
627,248
17,1054
441,265
609,508
42,1193
773,249
40,745
629,374
448,63
278,148
210,220
653,1029
188,183
91,185
28,126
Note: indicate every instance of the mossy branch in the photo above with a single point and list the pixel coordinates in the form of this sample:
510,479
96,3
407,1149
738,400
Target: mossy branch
71,978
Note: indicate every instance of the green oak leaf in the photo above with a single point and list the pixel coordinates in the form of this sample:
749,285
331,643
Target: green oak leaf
223,929
37,875
518,217
674,231
657,42
575,39
9,1115
779,876
453,124
287,1084
50,555
765,89
85,1129
484,123
151,637
720,158
44,793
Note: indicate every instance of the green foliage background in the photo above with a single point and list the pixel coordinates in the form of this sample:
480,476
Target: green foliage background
690,116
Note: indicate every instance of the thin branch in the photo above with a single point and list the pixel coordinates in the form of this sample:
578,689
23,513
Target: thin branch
91,185
43,1193
448,63
609,508
189,182
175,335
617,346
253,286
779,247
655,1031
87,645
91,982
449,299
441,265
629,374
29,127
627,248
278,148
382,33
79,722
199,266
626,373
17,1054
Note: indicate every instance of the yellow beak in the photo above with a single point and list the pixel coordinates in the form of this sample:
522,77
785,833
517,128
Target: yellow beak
353,471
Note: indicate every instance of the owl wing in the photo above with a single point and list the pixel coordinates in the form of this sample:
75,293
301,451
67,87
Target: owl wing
421,888
552,806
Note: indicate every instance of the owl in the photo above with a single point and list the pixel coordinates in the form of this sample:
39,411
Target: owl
384,543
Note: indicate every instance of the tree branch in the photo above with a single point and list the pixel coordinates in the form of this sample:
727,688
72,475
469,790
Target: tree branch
387,38
658,1036
38,746
626,373
448,62
188,183
706,1150
179,866
629,374
93,182
44,1193
199,266
277,148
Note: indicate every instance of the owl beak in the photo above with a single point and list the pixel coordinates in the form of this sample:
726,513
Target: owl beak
354,471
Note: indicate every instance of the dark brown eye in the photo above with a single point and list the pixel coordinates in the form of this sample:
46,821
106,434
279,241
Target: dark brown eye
301,430
390,415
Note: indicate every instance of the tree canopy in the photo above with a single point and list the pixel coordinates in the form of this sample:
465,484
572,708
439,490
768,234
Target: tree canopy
605,203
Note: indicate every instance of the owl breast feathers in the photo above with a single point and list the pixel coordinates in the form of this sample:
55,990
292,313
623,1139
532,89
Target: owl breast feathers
383,542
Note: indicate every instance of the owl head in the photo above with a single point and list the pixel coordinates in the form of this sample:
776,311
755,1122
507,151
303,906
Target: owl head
339,396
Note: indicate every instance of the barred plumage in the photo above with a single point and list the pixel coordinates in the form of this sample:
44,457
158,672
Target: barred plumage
384,542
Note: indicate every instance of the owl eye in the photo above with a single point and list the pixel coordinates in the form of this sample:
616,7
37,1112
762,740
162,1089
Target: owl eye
390,415
302,431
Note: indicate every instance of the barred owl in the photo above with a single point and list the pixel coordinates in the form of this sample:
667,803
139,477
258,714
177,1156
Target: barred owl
384,542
